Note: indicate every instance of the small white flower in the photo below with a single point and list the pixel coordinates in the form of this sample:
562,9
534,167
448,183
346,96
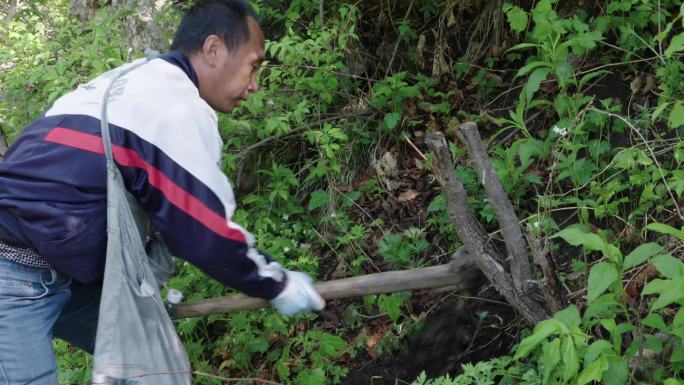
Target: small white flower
286,249
560,130
536,224
333,215
270,103
286,217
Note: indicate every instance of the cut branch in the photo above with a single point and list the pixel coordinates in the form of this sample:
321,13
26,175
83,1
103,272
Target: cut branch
474,238
550,286
469,230
497,197
461,273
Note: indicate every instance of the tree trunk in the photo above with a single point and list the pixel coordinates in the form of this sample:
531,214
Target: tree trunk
11,10
142,30
513,279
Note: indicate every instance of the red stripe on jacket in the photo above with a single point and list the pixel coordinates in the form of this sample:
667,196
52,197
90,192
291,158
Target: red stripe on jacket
126,157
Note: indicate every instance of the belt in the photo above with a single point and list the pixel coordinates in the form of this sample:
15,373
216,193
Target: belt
23,256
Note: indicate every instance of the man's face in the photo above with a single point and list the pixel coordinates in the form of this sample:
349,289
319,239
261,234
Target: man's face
234,76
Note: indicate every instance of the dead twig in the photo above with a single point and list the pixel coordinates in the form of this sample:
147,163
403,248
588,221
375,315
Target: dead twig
396,46
474,237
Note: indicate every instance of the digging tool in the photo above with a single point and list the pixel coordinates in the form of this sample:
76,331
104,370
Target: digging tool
460,274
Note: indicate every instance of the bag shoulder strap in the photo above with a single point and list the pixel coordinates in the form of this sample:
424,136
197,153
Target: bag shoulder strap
104,120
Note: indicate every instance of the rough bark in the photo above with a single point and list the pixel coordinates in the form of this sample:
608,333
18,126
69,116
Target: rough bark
475,239
497,197
10,10
549,286
142,30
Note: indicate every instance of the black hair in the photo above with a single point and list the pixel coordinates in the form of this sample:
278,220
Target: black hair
225,18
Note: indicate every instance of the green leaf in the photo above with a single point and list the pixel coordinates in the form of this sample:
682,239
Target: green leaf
517,17
315,376
350,198
604,306
668,266
529,148
593,371
569,316
392,119
674,292
601,276
577,236
678,353
610,325
660,37
641,254
550,358
652,342
292,15
283,370
617,372
595,350
591,75
529,67
391,304
677,115
659,111
655,286
665,229
676,45
655,321
570,358
331,345
678,321
673,381
535,80
541,332
524,46
318,198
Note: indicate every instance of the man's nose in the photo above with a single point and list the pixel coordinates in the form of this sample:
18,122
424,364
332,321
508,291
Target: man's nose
253,85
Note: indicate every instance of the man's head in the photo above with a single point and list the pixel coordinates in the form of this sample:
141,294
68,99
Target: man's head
225,45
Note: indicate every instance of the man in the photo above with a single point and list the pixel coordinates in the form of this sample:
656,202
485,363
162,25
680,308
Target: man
166,144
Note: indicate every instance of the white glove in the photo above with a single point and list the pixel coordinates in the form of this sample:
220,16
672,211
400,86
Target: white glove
299,295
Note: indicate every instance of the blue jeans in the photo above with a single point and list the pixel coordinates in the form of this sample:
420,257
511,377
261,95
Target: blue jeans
35,305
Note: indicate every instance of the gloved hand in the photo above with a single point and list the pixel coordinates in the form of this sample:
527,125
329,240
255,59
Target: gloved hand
299,295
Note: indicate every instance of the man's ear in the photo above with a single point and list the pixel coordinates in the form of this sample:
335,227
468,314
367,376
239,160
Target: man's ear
211,49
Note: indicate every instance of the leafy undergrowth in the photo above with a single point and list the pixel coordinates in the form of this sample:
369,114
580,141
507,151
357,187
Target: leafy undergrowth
582,106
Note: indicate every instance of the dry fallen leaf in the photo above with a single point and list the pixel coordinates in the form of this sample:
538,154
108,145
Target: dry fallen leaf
420,51
374,339
407,196
651,84
340,271
451,18
645,275
635,84
387,169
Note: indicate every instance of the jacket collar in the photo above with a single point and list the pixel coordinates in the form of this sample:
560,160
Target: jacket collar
181,61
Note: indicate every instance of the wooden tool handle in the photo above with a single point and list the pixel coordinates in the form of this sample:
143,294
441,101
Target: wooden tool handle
458,274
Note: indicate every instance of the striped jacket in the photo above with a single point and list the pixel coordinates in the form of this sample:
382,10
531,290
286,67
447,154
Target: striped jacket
166,143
